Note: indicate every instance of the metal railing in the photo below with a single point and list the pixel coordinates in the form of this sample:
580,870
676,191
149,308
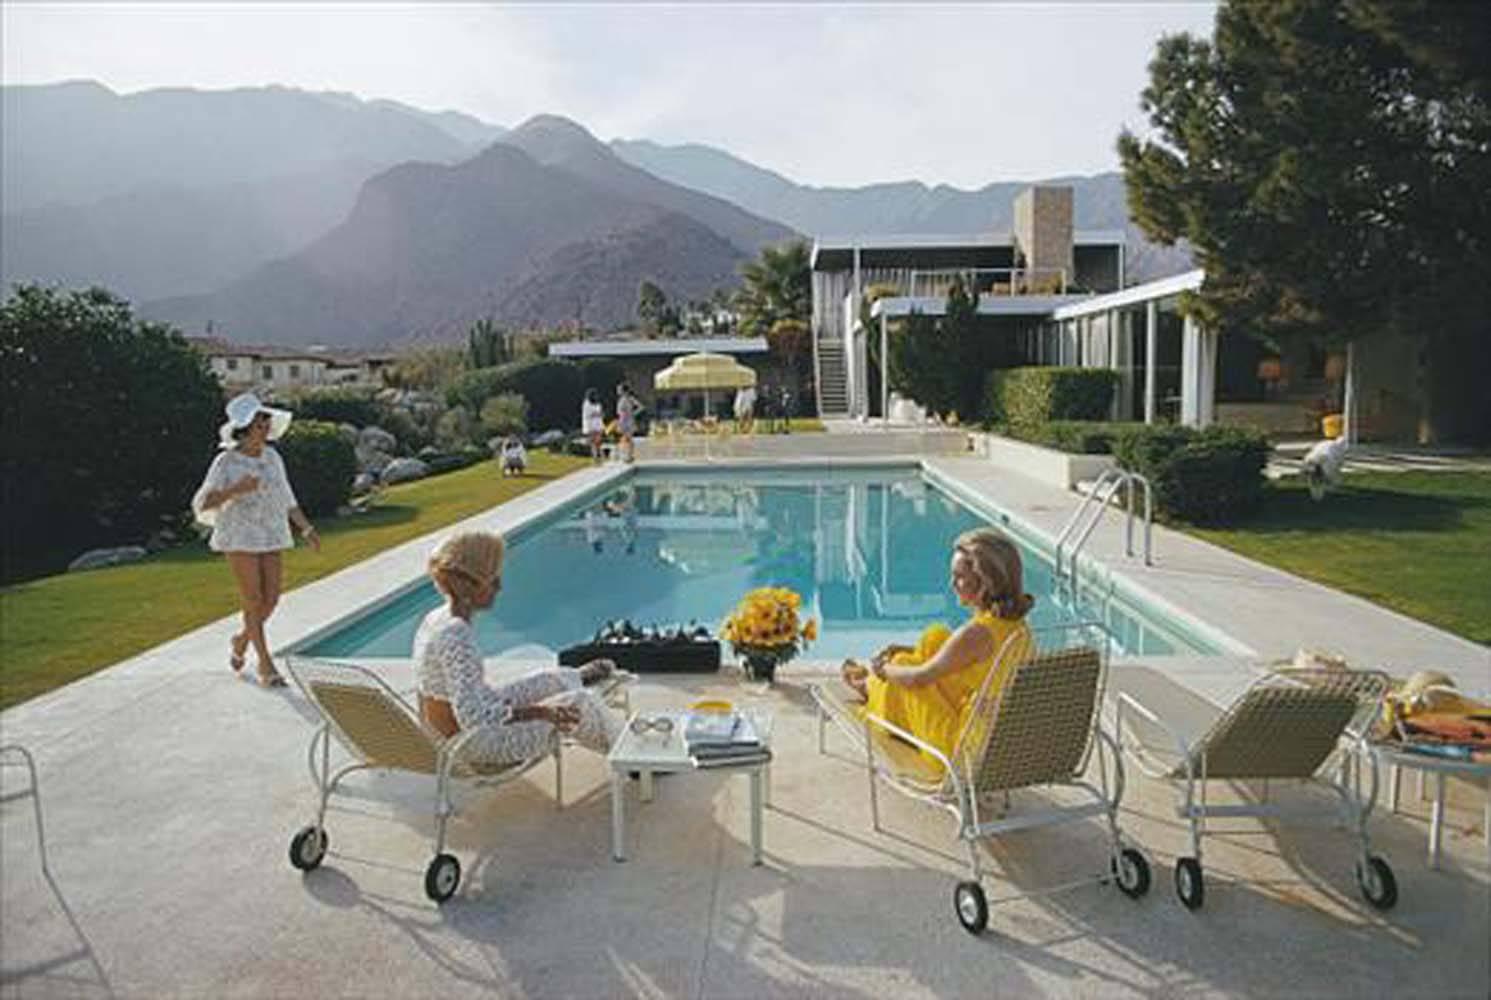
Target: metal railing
1085,518
989,281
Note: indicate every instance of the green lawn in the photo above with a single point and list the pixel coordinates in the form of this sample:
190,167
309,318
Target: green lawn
59,628
1416,542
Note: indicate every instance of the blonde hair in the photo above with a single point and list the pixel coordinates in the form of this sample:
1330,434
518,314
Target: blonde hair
463,564
998,570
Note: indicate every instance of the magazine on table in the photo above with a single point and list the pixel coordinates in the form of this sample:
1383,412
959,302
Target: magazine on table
718,739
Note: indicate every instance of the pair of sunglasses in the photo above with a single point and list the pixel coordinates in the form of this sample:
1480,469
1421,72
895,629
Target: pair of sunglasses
660,724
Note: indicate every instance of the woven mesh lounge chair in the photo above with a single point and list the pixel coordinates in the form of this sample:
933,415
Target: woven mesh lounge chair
1288,725
381,731
1037,731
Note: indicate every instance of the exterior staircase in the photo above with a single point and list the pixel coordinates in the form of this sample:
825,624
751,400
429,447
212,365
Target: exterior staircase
833,380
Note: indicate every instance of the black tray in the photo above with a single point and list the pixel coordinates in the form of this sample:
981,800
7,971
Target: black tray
648,657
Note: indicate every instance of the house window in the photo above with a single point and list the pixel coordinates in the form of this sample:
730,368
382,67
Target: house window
295,371
232,364
269,371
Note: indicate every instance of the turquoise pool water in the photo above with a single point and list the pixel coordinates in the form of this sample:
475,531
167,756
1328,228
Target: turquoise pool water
866,549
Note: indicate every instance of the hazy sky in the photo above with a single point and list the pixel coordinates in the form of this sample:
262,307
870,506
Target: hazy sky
826,94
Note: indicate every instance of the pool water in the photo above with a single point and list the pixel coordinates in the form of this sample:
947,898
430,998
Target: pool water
868,551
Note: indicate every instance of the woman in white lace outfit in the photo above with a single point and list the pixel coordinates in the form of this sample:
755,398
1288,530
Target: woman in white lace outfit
521,714
247,500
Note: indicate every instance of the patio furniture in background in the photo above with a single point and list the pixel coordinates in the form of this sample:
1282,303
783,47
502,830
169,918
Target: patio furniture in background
1398,757
1289,725
381,731
1037,732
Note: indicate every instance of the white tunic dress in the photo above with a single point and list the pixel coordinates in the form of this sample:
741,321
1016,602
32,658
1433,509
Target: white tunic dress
447,665
253,522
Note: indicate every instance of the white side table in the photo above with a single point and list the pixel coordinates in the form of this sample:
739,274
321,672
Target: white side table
1440,768
651,752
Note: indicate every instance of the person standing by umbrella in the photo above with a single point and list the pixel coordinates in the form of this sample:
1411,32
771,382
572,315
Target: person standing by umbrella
627,407
593,422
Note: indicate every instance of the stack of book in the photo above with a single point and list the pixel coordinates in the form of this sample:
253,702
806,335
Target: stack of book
723,739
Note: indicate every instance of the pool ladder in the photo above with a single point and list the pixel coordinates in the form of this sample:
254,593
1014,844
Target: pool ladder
1085,518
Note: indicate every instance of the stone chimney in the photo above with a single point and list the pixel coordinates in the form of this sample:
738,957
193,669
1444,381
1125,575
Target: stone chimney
1043,236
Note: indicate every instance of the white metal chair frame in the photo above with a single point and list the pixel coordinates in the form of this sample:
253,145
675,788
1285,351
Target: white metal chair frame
958,792
449,763
1192,773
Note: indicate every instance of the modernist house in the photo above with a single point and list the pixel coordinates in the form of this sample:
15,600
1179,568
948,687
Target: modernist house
1060,296
241,367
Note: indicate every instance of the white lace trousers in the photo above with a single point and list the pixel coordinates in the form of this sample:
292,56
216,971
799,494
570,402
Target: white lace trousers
515,741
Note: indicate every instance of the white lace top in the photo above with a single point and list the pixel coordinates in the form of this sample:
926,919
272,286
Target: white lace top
254,522
447,665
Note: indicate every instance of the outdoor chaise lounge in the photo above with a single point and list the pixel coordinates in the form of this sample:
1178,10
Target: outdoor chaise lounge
379,730
1037,732
1290,725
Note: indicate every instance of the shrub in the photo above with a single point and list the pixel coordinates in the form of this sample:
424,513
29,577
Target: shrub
455,429
412,432
1213,476
600,374
321,465
552,387
339,405
1023,397
1076,437
107,424
505,414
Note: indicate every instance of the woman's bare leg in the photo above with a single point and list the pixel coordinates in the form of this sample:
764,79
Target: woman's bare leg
245,567
271,576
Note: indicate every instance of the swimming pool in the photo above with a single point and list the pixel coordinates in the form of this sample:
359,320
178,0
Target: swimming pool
866,548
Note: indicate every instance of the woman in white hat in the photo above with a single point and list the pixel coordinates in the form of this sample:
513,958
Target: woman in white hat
247,500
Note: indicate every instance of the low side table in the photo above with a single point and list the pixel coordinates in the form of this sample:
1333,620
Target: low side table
651,752
1440,768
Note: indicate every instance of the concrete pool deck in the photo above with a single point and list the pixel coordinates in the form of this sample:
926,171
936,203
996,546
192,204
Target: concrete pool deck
171,791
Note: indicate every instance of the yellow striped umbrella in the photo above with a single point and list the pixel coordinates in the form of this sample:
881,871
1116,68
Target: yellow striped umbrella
704,371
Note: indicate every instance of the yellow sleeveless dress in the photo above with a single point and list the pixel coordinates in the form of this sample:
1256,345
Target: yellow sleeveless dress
937,712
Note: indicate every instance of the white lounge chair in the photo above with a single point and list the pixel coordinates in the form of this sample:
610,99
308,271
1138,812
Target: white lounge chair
1288,725
1038,731
379,730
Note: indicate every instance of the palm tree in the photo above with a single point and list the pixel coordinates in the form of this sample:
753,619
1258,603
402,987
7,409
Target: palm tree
778,286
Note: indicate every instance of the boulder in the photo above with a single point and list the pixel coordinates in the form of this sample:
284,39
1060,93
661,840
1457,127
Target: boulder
364,483
372,460
95,558
547,438
375,438
348,433
402,470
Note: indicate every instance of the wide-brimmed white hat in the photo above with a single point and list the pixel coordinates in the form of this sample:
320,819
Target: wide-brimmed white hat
242,409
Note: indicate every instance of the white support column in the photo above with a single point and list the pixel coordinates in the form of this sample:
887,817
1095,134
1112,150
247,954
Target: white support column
1348,403
1198,379
1121,341
1190,364
884,371
1151,338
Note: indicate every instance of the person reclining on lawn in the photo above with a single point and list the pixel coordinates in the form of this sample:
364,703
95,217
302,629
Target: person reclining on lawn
453,693
930,692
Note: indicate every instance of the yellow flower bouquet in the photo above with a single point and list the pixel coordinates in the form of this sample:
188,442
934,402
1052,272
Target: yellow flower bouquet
765,629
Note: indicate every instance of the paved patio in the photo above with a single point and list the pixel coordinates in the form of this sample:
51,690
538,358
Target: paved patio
171,791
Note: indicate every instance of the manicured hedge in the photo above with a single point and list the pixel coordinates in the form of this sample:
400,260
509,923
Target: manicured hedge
1024,397
339,405
1076,437
1213,476
552,386
321,464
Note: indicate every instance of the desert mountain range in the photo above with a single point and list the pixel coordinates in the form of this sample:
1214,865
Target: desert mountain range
291,217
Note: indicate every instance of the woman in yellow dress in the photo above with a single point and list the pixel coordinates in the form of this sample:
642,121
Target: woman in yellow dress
930,691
